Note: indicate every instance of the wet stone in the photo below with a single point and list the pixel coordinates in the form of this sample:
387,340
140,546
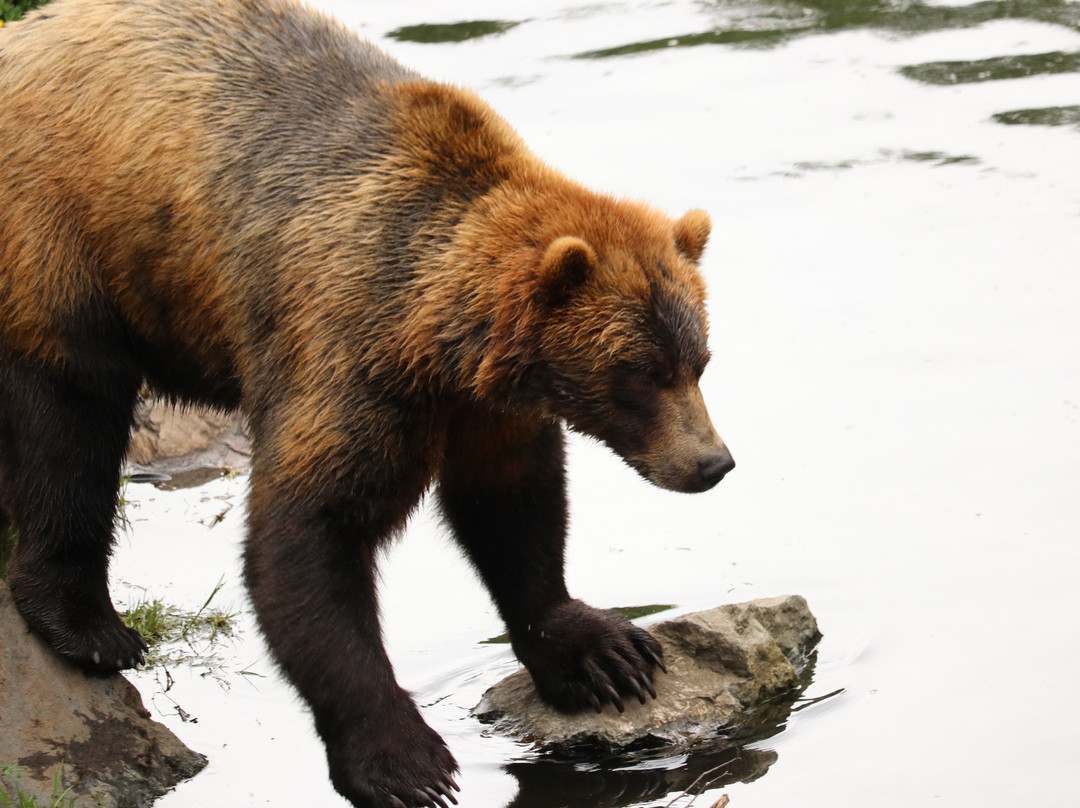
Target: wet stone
731,670
170,441
92,731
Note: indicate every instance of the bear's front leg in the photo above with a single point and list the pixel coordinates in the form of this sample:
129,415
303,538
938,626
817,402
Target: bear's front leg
502,489
310,567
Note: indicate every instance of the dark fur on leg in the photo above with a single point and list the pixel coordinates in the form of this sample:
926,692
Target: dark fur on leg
502,491
61,443
310,565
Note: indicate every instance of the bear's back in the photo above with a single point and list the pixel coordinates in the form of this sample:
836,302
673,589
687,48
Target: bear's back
157,147
239,74
243,42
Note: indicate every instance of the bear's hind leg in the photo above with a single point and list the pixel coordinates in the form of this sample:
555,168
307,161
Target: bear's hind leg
61,446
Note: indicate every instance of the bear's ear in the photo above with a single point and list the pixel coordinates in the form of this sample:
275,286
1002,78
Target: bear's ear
567,263
692,233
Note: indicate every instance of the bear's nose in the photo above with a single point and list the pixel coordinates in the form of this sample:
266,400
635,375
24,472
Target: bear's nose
713,467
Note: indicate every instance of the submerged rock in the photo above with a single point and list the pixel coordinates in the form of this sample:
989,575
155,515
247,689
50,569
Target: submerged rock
91,730
728,671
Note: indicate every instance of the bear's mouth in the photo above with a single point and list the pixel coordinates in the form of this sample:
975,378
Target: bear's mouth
694,477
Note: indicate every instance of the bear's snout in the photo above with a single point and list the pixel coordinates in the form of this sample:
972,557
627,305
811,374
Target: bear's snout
684,469
714,466
683,452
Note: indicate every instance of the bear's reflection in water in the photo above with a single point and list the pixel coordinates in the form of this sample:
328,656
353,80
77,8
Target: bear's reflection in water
587,778
545,783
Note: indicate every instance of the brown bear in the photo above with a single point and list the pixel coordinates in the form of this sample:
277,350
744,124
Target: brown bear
242,204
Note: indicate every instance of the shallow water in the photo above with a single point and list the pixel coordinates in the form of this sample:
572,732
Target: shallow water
894,285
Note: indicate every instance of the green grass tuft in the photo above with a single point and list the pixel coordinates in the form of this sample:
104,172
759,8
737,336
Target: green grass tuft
11,10
11,796
175,635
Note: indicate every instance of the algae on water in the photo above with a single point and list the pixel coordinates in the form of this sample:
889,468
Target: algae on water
1042,116
995,69
429,33
772,22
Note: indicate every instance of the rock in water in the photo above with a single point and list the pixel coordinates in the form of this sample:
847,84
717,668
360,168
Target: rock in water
726,667
53,716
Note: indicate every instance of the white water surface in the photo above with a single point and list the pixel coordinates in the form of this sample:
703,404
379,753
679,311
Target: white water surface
894,295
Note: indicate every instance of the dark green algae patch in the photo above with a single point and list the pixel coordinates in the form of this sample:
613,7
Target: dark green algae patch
764,24
434,33
995,69
1042,116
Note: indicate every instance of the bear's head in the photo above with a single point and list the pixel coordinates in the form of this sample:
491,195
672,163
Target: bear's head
605,322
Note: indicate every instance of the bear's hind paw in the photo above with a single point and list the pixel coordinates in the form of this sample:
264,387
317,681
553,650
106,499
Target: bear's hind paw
103,649
83,628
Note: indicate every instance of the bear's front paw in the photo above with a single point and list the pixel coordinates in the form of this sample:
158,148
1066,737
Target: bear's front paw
581,657
399,762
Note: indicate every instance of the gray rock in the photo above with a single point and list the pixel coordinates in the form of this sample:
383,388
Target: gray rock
93,730
170,441
728,669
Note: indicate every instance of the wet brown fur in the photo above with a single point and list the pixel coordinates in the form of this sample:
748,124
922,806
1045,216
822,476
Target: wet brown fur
243,205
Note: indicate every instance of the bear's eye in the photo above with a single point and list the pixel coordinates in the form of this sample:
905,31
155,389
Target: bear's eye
636,387
657,376
642,378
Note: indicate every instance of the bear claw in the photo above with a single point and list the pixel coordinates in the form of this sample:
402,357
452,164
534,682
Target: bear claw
410,769
649,687
657,660
613,697
435,797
